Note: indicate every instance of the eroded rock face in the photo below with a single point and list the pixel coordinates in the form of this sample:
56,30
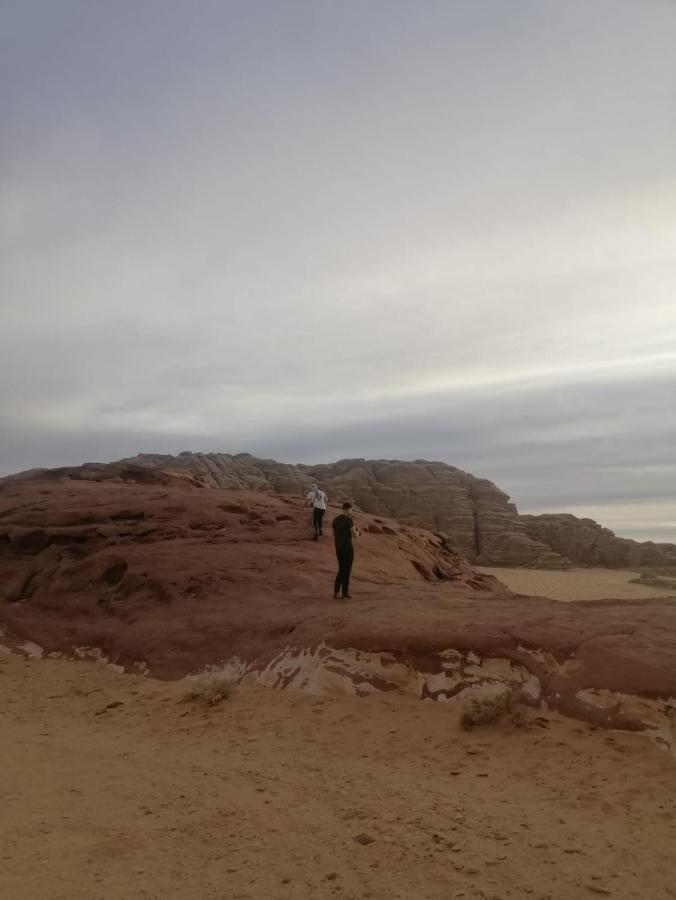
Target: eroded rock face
169,579
172,575
586,543
475,515
530,677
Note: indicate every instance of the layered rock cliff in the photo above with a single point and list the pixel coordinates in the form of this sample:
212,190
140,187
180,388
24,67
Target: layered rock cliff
475,515
586,543
169,579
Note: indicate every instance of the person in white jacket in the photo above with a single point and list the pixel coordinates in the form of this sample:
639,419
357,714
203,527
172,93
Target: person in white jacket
317,499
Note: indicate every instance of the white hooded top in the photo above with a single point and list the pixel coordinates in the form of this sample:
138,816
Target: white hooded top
317,497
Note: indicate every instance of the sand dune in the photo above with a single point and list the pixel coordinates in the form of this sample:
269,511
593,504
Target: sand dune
111,788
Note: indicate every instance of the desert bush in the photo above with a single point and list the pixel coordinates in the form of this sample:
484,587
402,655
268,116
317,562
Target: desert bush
520,716
481,708
210,688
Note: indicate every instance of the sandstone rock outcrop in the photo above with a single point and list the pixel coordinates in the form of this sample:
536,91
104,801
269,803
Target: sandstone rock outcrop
477,518
475,515
179,577
169,578
586,543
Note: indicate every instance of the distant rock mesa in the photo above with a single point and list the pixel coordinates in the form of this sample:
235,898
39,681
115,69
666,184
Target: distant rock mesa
586,543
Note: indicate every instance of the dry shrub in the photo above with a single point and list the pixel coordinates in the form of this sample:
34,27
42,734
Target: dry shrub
210,688
487,709
520,716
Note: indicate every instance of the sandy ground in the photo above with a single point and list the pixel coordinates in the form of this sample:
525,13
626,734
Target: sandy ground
575,584
264,796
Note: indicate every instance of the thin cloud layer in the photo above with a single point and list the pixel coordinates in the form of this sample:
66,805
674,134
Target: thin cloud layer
320,230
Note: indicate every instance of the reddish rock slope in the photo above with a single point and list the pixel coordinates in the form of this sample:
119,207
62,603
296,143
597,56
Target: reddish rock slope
177,577
180,577
477,517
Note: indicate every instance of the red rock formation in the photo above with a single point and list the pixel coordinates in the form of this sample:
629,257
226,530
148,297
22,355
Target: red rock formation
175,578
586,543
477,518
180,577
475,515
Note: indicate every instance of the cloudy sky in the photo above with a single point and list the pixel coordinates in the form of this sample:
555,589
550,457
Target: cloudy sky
335,228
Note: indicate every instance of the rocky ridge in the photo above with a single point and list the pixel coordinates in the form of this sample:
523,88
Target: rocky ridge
586,543
168,579
475,516
178,578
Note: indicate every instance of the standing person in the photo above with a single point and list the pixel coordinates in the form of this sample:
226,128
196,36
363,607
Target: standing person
343,532
317,500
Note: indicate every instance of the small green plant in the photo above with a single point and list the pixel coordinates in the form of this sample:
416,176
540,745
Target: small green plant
210,688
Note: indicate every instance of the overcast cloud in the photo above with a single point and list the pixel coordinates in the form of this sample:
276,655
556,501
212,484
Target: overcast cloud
322,229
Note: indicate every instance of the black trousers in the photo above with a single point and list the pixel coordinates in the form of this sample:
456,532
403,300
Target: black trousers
317,518
345,559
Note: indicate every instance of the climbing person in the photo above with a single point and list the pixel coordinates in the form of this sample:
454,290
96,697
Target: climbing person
343,531
317,499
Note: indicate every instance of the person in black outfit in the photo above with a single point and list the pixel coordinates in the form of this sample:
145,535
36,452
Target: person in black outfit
343,532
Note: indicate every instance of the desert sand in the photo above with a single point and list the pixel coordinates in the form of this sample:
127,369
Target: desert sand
113,788
575,584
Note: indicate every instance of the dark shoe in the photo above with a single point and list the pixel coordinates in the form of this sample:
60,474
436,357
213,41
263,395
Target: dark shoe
336,596
315,537
346,597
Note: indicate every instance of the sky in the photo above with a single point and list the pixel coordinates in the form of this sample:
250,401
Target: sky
346,228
